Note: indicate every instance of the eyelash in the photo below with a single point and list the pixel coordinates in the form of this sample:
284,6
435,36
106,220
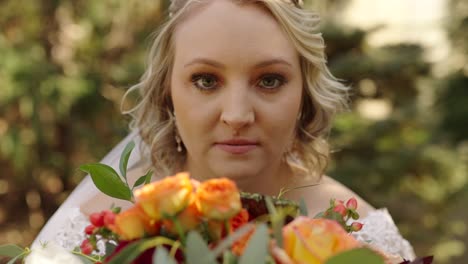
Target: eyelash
277,77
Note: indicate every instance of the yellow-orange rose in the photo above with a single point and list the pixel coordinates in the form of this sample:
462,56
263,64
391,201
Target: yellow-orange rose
313,241
218,199
133,223
167,196
188,219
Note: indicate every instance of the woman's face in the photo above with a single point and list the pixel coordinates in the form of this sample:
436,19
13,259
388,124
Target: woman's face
236,88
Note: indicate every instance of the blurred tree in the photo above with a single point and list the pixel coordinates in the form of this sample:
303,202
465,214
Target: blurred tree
64,66
405,138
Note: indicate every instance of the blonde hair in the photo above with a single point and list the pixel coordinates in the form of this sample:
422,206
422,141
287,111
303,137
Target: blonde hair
324,95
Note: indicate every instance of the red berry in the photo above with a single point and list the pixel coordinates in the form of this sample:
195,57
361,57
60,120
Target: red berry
86,247
341,209
97,219
90,229
338,202
109,218
356,226
351,204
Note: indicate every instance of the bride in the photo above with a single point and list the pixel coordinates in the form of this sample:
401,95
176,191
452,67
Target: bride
235,88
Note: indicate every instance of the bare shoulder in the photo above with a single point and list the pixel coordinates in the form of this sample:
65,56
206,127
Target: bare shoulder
317,197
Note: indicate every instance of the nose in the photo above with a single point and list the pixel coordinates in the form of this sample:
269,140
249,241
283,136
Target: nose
237,109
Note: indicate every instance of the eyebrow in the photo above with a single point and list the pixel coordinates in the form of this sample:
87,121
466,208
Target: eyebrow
222,66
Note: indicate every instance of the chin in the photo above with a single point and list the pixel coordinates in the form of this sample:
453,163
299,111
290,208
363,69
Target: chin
238,172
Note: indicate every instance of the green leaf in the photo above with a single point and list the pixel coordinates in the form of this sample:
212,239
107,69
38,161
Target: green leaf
303,207
319,215
148,176
162,256
197,252
84,259
133,250
124,158
109,248
139,182
145,179
10,250
13,260
360,255
257,248
107,180
229,258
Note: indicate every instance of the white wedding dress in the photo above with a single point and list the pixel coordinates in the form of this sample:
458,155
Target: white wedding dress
66,226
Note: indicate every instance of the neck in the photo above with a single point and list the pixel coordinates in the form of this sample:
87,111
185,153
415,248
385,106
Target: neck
269,181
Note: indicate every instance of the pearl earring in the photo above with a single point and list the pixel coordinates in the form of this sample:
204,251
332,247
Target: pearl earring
179,145
177,138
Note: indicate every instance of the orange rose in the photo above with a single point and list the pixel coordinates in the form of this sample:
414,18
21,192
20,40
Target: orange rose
239,245
218,199
239,219
188,219
167,196
313,241
133,223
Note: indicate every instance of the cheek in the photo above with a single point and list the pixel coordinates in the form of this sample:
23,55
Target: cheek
281,122
193,115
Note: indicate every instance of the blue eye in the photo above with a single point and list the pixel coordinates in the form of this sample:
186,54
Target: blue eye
271,81
204,81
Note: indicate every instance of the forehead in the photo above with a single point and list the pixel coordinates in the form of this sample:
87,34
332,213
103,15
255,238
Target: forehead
221,27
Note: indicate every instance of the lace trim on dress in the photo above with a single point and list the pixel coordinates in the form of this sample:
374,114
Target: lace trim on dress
71,234
378,231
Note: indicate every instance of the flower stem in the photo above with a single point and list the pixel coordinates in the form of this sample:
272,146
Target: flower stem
94,260
174,249
286,190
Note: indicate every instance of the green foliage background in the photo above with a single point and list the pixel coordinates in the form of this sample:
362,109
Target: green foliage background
64,66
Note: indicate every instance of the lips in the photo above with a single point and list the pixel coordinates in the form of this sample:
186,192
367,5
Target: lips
237,146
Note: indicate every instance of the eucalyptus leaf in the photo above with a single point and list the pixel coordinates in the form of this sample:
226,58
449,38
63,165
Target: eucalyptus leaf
229,258
124,158
277,220
319,215
161,256
227,242
257,248
303,207
197,251
10,250
360,255
107,180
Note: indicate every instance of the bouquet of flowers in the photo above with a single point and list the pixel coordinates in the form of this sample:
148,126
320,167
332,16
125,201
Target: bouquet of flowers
180,220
